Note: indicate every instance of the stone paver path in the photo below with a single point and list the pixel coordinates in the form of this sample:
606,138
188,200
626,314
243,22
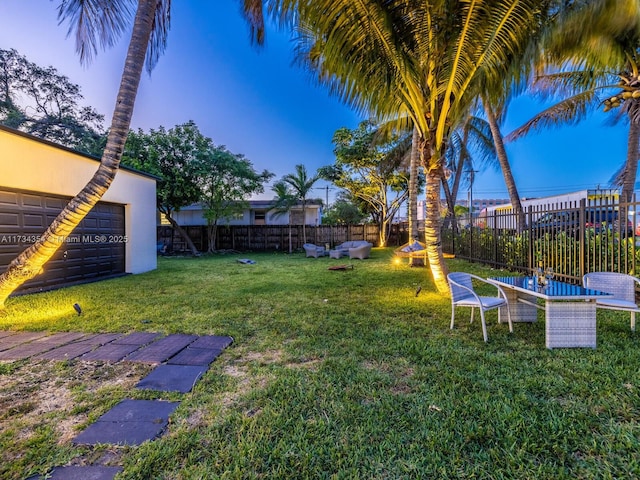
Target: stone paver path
181,360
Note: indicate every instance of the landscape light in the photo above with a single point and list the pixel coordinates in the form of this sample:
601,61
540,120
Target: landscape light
77,308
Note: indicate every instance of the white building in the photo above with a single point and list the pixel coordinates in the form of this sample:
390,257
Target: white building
38,178
259,212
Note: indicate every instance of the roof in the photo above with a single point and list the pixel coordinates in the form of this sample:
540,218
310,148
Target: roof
71,150
253,205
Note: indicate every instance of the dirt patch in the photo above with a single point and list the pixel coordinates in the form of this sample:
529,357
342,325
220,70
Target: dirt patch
61,394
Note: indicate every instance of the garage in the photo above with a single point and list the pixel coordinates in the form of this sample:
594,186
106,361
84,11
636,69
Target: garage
38,178
95,250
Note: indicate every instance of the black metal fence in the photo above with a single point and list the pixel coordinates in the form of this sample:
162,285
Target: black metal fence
573,238
267,238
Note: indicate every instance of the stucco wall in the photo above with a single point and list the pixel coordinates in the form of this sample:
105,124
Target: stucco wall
29,164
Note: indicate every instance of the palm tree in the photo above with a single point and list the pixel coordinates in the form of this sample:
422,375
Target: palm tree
426,60
505,166
285,201
97,22
592,60
301,184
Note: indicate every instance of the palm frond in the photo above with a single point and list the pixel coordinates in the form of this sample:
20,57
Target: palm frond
566,112
95,23
253,13
617,179
159,33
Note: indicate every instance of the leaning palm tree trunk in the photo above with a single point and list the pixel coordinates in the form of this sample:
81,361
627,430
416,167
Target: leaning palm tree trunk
30,262
501,153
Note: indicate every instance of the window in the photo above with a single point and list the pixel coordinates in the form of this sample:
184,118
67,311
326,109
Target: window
259,218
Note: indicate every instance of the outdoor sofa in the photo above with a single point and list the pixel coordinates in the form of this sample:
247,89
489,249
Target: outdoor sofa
353,249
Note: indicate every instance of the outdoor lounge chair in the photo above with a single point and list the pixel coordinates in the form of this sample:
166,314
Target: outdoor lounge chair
463,294
361,252
313,250
621,286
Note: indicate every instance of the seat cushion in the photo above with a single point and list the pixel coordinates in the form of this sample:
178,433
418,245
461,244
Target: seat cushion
487,302
615,303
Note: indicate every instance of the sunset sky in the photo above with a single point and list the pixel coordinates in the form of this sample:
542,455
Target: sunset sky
257,103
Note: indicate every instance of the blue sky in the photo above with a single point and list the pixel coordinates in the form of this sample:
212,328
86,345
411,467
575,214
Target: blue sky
257,103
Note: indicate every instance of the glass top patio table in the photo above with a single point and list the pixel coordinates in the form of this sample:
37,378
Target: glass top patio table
554,290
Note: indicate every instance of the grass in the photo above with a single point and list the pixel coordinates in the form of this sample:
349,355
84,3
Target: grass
332,374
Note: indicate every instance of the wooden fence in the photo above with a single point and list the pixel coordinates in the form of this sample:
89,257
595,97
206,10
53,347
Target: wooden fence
273,238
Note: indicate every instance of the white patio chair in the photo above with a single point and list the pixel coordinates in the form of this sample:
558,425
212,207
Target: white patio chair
464,295
621,286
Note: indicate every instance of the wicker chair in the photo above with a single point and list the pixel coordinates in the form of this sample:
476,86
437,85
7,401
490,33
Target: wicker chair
360,252
464,295
312,250
621,286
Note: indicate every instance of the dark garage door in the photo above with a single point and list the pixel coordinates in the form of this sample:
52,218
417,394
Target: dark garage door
95,250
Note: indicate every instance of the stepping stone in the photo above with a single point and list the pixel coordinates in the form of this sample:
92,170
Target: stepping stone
39,345
172,378
66,352
22,351
97,339
137,338
111,352
161,350
131,422
212,341
19,338
195,356
97,472
60,338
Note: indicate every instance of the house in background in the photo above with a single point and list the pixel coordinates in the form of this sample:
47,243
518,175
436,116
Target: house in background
38,178
259,212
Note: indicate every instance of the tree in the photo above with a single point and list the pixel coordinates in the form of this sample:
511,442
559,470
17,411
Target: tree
285,200
344,211
371,171
414,165
592,59
426,60
44,103
176,156
301,184
226,180
96,22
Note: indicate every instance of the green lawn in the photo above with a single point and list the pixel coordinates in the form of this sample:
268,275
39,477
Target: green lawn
332,374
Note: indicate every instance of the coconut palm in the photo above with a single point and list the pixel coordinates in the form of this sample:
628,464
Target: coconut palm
301,184
493,119
421,59
285,200
592,60
96,22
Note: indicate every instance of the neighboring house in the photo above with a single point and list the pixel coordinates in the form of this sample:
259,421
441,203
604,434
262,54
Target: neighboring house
259,212
37,179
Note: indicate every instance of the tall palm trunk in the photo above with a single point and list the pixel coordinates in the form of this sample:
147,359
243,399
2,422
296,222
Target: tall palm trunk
30,262
448,196
413,193
631,167
432,232
501,152
304,221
